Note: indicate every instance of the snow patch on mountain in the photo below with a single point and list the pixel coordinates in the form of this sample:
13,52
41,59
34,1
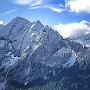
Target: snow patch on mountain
72,60
1,23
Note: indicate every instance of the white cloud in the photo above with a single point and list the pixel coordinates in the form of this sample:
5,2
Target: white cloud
78,5
56,9
71,29
38,2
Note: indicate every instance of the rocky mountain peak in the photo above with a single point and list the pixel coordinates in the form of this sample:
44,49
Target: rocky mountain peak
30,51
37,26
19,19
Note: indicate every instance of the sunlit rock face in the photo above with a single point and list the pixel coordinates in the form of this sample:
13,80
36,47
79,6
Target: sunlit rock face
30,50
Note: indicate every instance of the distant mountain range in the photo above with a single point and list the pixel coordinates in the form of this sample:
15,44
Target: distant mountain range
32,54
83,39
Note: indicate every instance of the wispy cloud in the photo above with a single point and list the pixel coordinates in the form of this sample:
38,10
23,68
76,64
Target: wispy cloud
56,9
70,5
38,2
10,11
51,7
24,2
35,4
71,29
31,2
78,5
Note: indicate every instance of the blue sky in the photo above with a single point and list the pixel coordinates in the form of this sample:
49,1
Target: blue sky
51,12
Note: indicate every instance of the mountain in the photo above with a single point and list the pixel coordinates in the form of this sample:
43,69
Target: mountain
83,39
30,52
